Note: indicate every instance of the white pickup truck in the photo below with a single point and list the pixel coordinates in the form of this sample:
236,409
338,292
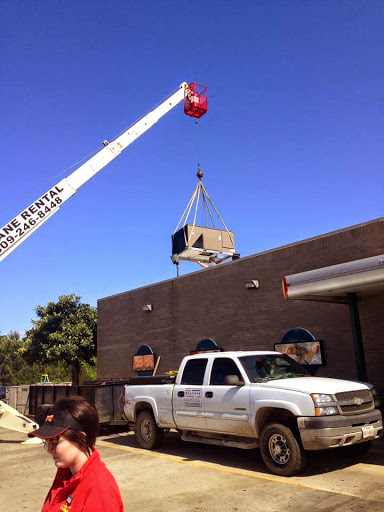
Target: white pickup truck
257,399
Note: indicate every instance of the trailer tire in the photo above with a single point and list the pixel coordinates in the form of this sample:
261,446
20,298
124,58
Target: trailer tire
148,434
281,450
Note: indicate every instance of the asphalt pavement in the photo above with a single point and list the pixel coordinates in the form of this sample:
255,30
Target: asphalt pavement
186,477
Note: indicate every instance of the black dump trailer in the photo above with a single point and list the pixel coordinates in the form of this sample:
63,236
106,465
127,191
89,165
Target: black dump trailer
106,396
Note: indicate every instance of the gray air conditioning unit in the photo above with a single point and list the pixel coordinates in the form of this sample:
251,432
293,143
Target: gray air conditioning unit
196,243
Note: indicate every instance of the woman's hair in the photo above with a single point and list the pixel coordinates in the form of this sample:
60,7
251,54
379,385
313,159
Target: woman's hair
87,416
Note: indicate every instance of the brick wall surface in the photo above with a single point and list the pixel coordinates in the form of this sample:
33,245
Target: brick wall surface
214,303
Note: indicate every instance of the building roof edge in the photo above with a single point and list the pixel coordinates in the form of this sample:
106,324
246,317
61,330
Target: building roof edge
275,249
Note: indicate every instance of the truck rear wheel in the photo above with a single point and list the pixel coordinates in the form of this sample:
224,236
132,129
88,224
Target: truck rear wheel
281,451
148,434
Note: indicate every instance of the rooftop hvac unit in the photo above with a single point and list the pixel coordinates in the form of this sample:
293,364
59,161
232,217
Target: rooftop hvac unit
197,243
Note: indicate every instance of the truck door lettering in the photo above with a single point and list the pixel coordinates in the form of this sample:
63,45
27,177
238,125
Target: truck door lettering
193,398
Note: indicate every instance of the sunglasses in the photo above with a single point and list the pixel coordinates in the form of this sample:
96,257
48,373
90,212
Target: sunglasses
51,444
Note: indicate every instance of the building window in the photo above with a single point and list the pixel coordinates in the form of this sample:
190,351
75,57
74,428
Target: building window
143,361
297,334
206,345
302,346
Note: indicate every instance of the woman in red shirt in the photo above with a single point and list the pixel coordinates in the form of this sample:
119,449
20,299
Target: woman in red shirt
82,482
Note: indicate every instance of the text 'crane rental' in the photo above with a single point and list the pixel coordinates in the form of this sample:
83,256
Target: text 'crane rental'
28,220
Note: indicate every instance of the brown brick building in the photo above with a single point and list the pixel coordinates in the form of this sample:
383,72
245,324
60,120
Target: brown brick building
215,303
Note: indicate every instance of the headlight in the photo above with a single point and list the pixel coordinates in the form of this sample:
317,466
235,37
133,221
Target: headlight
326,411
321,409
319,398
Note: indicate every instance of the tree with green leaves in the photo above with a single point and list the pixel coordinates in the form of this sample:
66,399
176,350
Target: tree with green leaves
10,360
15,370
65,332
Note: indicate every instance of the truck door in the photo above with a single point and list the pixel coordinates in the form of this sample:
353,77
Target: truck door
188,403
227,408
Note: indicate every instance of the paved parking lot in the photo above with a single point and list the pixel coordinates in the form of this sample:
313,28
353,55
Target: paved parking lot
186,477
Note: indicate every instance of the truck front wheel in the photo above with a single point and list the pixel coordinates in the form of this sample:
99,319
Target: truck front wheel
281,451
148,434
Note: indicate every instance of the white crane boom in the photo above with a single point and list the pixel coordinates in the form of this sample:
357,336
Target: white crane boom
30,219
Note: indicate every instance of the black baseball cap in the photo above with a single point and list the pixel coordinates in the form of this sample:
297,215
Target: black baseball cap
56,423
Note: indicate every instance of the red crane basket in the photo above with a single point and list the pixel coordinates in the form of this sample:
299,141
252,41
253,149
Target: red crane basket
196,100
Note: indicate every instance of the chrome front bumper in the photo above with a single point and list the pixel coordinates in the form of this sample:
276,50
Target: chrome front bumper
323,432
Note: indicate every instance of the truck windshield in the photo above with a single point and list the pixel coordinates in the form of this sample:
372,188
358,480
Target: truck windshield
270,367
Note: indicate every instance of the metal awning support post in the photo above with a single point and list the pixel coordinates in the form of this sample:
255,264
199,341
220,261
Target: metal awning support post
357,337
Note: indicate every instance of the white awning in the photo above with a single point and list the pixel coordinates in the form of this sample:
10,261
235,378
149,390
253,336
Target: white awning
359,276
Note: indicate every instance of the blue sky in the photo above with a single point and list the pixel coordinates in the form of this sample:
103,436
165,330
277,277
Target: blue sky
291,147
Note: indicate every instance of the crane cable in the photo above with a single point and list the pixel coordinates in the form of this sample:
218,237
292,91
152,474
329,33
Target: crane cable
188,207
197,144
200,189
218,214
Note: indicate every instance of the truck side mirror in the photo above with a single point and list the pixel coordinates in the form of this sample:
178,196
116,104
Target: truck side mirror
233,380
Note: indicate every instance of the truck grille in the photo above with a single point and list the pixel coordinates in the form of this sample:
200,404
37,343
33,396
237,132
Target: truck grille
355,402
